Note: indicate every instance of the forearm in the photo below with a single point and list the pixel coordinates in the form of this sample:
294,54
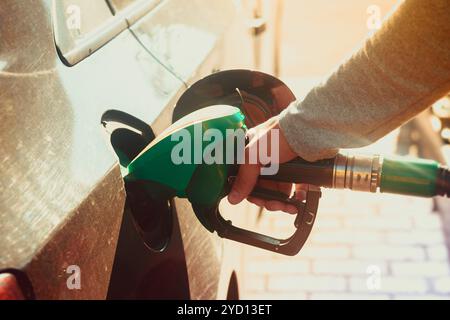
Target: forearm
398,73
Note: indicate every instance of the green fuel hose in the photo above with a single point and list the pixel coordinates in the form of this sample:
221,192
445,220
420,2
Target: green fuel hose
398,175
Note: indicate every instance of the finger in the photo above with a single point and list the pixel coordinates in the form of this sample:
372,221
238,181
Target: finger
244,183
257,201
274,205
280,206
282,187
302,186
291,209
300,191
286,188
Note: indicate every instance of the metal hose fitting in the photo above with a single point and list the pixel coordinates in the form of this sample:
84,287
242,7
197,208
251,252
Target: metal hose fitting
359,173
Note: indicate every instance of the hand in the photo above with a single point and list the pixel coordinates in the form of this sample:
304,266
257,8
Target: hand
248,174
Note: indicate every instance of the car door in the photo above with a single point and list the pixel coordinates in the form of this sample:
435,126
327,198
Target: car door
65,66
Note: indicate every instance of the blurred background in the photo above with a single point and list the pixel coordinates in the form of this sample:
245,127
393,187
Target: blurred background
363,246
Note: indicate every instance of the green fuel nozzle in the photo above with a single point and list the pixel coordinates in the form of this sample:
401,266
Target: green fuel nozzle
206,183
398,175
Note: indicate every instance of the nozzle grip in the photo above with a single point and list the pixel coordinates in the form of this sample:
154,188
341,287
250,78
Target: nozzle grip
290,246
318,173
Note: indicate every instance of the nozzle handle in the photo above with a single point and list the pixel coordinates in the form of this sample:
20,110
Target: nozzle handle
291,246
318,173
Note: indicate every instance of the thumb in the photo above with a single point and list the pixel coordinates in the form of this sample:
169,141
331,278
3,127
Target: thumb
245,182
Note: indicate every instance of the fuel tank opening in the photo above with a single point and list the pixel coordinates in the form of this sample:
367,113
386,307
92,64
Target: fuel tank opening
152,217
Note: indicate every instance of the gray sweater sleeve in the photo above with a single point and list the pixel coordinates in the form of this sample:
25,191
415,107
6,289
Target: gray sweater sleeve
398,73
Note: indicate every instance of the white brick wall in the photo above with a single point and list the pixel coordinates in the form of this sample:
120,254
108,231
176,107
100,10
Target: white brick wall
346,267
335,263
307,283
424,269
400,236
389,252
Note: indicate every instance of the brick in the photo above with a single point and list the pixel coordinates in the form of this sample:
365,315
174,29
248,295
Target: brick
345,267
347,237
347,210
416,237
327,252
280,232
428,222
281,219
306,283
442,285
327,223
348,296
389,252
255,283
424,269
252,253
390,285
332,197
379,223
411,206
266,222
293,266
437,253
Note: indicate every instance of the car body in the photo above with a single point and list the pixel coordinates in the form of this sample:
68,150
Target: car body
64,214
